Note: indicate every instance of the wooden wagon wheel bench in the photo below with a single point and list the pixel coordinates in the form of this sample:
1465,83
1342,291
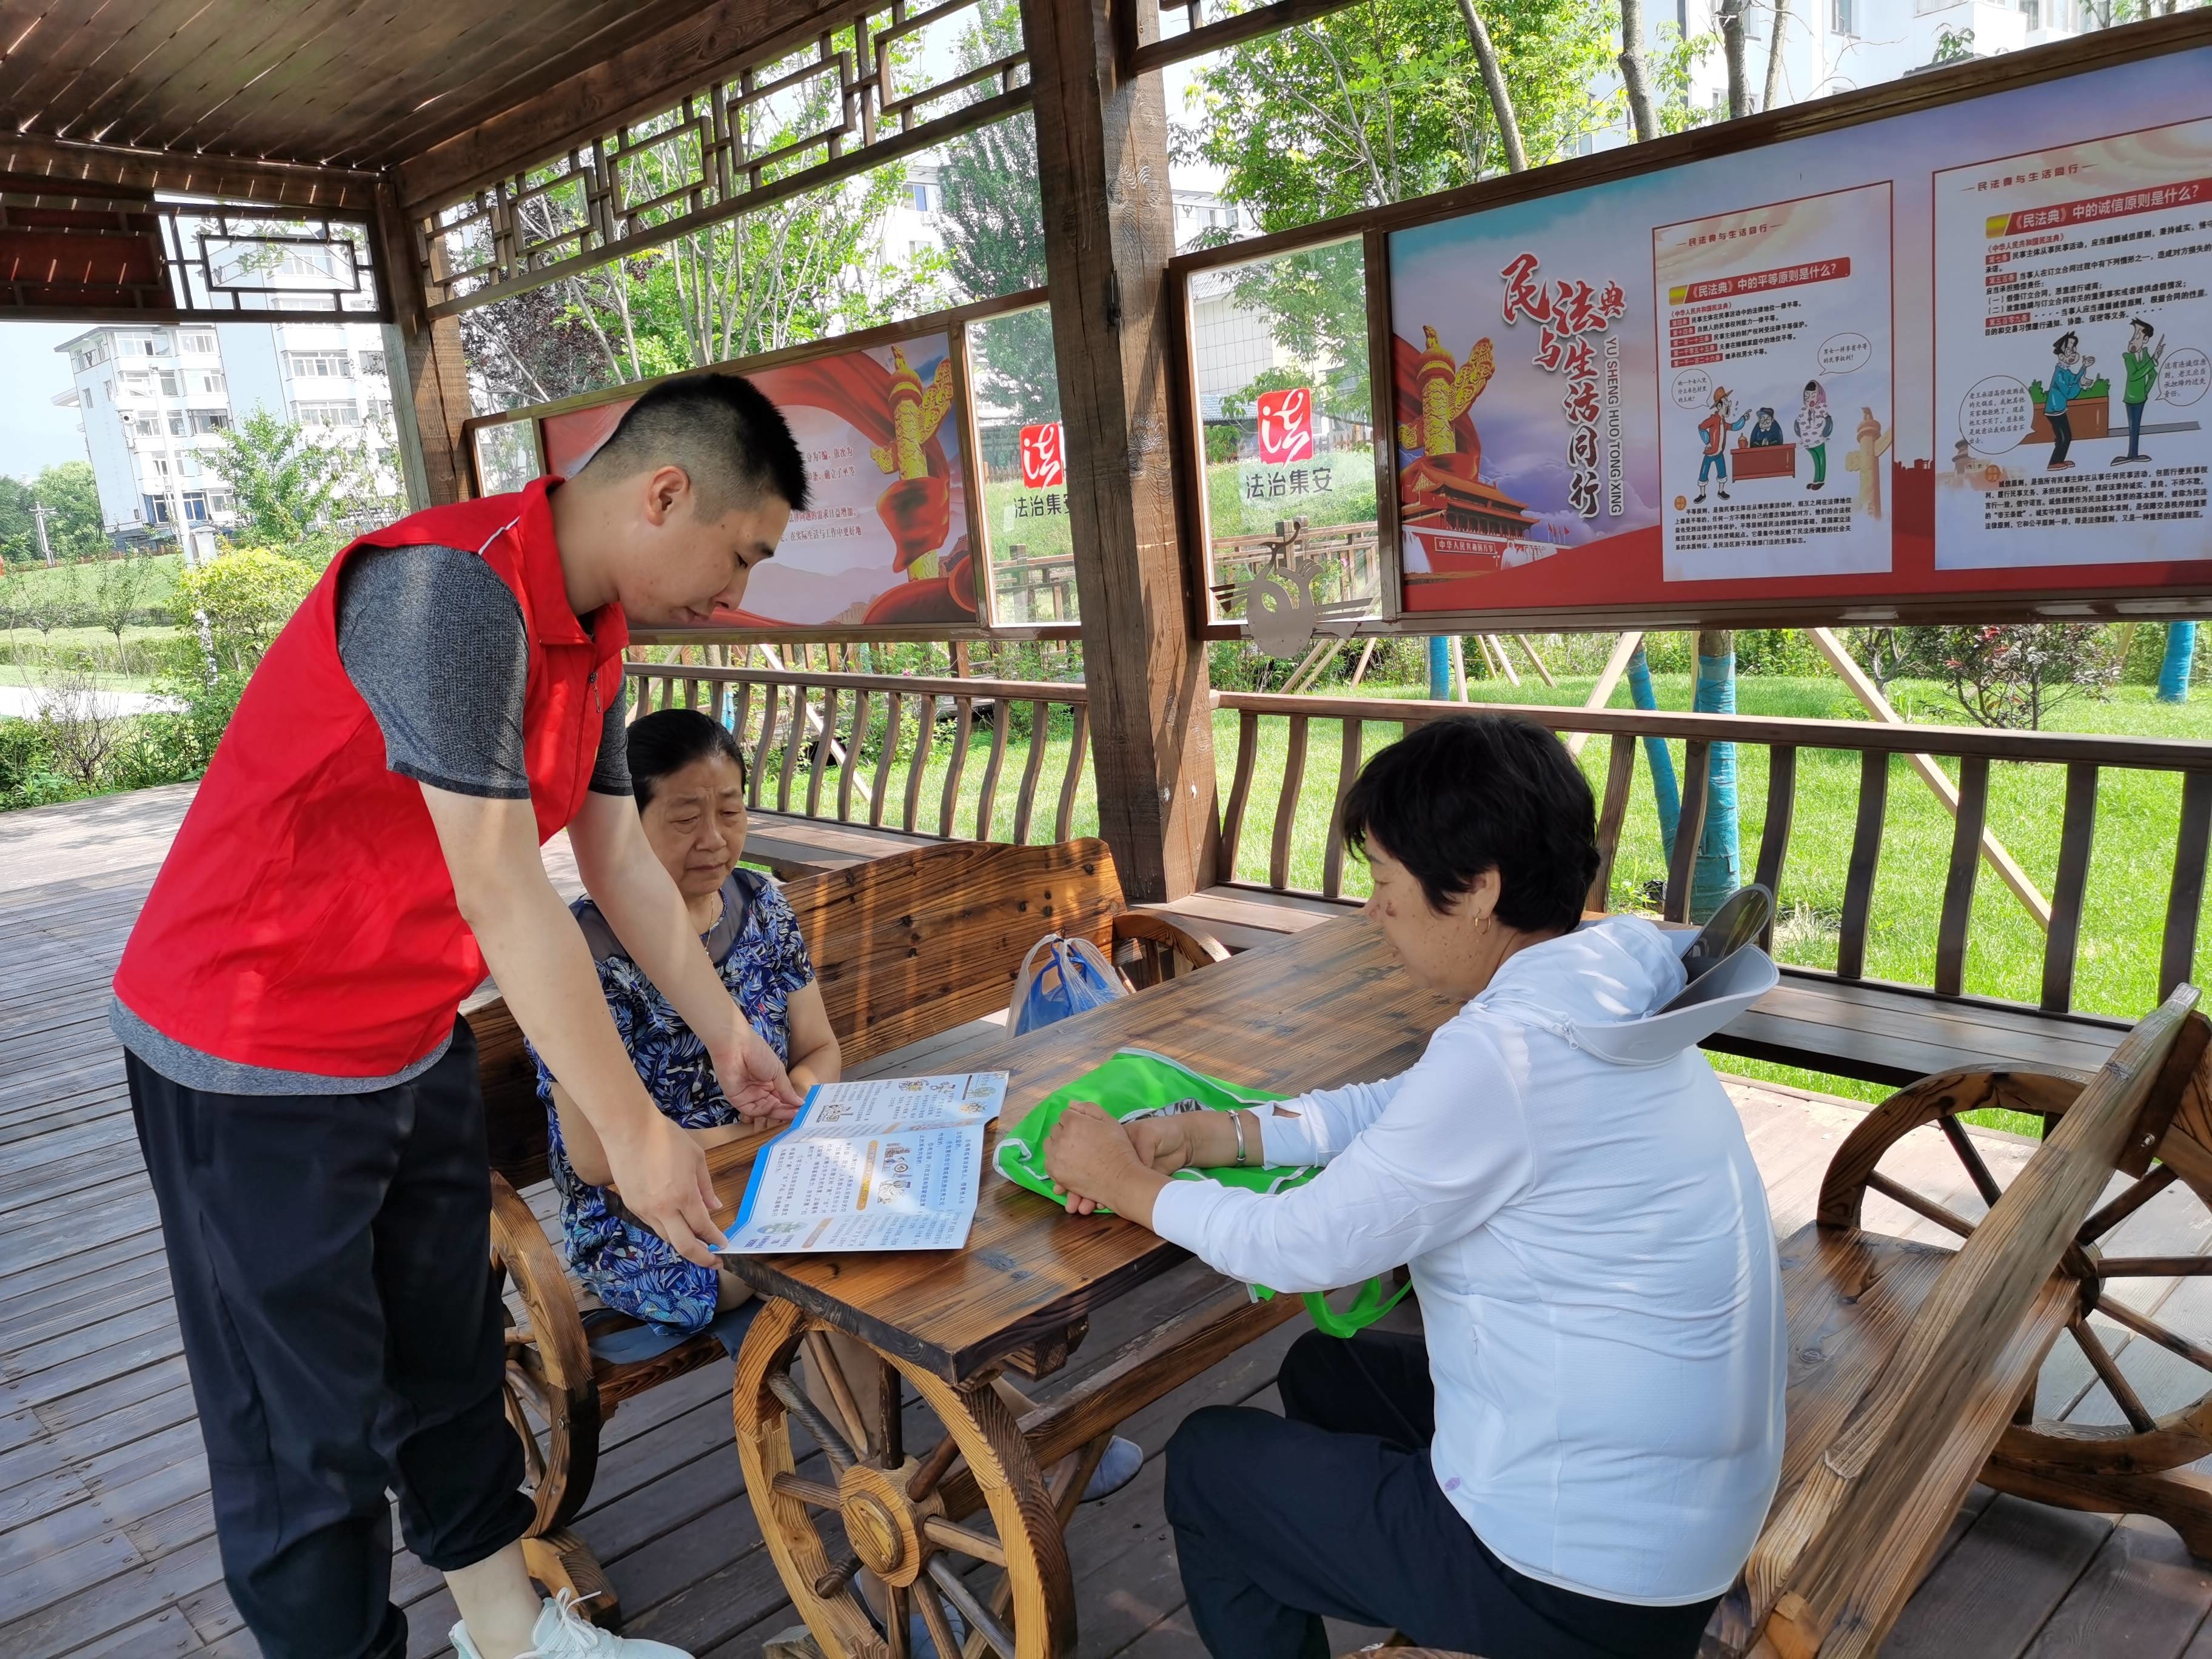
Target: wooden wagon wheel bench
1913,1368
970,1519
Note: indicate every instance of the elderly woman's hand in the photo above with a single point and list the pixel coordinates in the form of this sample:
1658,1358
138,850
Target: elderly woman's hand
1090,1160
753,1079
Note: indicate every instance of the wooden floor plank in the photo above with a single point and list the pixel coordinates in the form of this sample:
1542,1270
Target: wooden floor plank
105,1532
2004,1580
2140,1595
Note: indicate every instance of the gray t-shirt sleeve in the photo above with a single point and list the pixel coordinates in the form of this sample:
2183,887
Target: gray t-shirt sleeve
435,643
610,771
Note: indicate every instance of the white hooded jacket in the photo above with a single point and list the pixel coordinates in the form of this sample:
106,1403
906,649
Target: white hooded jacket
1588,1238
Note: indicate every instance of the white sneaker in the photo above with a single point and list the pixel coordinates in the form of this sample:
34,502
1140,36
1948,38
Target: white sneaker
561,1632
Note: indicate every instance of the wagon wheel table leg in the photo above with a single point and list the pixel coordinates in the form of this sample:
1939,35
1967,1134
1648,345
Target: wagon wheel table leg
2137,1463
1064,1488
968,1526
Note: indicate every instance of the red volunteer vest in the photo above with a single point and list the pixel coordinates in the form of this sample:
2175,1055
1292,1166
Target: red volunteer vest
304,919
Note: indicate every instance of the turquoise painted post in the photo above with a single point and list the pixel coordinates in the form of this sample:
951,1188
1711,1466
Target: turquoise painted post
2180,655
1719,865
1440,686
1666,794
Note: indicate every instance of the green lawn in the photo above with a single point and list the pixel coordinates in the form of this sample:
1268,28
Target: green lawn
2124,910
27,658
163,567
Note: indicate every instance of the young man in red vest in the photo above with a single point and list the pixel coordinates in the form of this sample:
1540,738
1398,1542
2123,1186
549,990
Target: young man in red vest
364,843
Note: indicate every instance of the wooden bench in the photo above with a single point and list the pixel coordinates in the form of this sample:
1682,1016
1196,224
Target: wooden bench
1913,1369
904,947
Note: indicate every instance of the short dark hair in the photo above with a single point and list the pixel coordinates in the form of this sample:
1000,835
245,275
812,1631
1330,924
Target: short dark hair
722,430
2138,322
1473,793
2069,338
670,740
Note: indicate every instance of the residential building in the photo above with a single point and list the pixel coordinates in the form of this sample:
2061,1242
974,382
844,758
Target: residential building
155,399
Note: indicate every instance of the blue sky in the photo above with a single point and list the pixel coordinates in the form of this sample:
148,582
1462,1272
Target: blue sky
33,433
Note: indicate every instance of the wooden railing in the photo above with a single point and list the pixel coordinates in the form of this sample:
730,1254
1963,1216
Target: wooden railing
808,724
2085,756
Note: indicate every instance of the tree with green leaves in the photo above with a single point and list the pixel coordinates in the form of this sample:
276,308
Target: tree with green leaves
994,229
1386,100
1381,101
242,599
70,497
796,269
121,594
19,531
2010,676
296,490
70,494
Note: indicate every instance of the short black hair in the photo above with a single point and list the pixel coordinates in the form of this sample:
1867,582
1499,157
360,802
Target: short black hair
1473,793
2069,338
670,740
2138,322
725,433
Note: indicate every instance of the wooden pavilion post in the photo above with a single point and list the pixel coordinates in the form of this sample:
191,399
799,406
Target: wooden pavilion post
429,374
1109,231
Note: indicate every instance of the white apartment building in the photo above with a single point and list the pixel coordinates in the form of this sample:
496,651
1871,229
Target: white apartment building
153,398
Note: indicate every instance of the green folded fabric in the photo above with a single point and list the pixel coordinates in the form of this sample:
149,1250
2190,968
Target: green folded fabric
1136,1082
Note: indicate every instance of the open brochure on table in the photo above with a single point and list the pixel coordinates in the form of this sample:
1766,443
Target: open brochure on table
890,1163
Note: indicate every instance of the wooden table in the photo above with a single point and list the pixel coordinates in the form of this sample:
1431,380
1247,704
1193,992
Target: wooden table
1327,1006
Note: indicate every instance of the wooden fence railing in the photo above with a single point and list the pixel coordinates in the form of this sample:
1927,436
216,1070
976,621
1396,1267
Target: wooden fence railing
809,724
807,721
2085,756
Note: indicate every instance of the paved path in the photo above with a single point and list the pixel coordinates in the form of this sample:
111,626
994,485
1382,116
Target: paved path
21,702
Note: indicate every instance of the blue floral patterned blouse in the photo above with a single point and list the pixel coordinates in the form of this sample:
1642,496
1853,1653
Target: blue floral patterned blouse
762,959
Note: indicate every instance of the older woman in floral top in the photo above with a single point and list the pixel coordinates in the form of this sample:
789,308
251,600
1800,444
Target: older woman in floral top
689,778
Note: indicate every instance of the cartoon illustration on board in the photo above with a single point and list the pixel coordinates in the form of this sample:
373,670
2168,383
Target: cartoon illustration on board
1715,429
1765,430
2069,379
1814,427
2143,361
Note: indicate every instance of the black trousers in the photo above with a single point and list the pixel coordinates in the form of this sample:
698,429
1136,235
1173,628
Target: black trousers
1333,1511
329,1257
2062,435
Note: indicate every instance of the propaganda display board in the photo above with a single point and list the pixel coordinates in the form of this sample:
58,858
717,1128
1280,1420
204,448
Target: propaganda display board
1956,354
885,542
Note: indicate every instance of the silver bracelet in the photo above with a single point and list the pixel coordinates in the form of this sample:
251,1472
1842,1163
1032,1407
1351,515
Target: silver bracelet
1236,1122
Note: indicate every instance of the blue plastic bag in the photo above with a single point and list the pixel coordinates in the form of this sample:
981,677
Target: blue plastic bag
1073,978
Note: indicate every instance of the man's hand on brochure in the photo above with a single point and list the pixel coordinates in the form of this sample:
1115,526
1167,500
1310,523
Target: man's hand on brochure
662,1175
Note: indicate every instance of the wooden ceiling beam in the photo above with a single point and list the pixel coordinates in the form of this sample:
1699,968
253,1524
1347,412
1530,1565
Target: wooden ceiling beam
479,83
637,80
193,92
276,183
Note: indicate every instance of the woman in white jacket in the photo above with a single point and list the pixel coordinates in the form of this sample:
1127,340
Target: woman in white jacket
1575,1457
